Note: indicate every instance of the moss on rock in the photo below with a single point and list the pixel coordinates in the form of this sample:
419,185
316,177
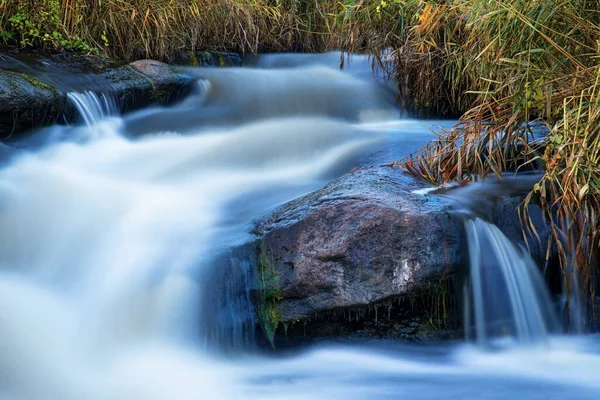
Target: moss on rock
26,103
268,296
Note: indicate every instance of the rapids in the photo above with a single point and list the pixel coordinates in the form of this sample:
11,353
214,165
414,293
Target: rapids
106,229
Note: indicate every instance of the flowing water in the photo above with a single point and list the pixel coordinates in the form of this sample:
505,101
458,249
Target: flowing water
508,295
107,228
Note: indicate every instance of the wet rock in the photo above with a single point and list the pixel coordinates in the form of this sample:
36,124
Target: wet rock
147,82
361,239
499,202
34,95
369,255
26,103
365,256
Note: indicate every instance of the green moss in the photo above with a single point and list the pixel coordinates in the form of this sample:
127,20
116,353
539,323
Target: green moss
205,58
36,82
160,95
269,297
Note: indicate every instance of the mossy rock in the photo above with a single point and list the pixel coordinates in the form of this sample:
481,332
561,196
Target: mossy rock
159,83
26,103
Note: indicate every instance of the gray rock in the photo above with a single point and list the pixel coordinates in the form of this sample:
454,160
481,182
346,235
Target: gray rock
26,103
147,82
369,255
363,257
35,97
361,239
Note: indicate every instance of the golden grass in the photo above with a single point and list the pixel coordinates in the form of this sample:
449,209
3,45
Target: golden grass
159,29
506,64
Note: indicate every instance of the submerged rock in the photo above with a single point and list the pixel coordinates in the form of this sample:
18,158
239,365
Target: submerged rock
371,254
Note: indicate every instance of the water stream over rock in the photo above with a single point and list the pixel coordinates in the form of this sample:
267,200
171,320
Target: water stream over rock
508,297
107,231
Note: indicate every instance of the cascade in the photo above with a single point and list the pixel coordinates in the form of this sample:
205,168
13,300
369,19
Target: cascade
505,295
92,106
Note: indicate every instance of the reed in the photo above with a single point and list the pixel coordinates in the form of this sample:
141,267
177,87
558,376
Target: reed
509,66
159,29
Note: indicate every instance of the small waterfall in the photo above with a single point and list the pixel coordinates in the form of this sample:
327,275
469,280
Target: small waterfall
505,295
92,106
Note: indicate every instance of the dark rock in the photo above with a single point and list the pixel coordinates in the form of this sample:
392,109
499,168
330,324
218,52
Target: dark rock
500,202
37,96
147,82
26,103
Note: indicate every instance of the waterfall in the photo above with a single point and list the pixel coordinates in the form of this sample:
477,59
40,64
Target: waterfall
92,106
505,295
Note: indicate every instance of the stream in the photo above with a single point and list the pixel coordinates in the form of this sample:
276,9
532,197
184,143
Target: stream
108,226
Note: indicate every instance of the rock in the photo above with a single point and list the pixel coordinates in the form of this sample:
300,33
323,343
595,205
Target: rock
31,98
499,202
366,256
26,103
363,256
361,239
147,82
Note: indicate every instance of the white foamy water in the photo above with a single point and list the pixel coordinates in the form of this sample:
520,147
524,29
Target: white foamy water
93,107
104,240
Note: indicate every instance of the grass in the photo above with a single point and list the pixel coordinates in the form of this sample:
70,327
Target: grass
504,65
160,29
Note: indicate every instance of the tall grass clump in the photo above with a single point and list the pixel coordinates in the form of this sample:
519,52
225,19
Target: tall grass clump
511,67
159,29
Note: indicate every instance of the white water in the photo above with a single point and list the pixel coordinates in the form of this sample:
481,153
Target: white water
93,107
102,243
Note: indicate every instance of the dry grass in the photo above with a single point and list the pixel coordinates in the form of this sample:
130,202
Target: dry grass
506,64
159,29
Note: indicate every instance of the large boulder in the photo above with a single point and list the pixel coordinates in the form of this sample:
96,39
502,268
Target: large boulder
362,239
372,254
367,255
